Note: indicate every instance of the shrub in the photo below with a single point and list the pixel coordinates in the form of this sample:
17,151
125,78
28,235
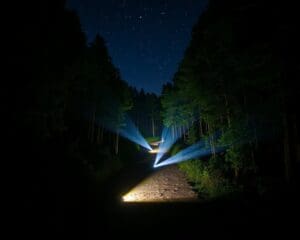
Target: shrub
209,182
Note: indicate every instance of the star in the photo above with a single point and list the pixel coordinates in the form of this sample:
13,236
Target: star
123,4
163,27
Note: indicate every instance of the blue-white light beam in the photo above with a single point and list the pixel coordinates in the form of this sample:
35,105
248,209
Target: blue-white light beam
197,150
130,132
127,130
167,140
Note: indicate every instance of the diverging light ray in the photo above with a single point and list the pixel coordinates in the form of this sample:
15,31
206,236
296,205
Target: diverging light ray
113,119
167,140
199,149
188,156
125,128
130,132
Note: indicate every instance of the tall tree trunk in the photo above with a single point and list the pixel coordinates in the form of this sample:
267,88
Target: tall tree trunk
296,139
252,154
227,111
214,146
246,110
200,128
180,133
211,141
236,174
255,138
153,126
117,144
98,134
138,123
93,127
173,133
89,129
207,128
286,147
102,134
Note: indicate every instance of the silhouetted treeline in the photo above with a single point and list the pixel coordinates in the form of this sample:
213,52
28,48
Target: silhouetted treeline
240,77
61,90
146,113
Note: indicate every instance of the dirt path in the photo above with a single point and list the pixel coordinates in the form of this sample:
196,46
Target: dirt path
166,184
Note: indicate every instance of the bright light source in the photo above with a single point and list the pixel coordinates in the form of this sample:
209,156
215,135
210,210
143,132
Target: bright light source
154,151
157,150
137,195
129,198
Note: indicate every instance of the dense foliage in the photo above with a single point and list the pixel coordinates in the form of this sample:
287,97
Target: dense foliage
64,92
146,112
239,77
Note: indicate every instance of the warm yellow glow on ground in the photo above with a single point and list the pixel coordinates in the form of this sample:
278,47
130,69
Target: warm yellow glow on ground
166,185
157,150
153,151
129,198
156,143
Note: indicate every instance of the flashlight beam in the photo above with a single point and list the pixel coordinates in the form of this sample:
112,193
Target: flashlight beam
129,131
184,157
199,149
167,141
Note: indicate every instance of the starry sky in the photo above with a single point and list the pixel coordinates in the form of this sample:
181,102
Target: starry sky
145,38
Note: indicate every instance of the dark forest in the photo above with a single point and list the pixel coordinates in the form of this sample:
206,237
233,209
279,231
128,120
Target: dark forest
72,156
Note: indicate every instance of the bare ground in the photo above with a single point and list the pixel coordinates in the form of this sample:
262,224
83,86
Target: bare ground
166,184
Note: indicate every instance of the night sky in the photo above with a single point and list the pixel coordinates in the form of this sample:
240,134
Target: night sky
146,38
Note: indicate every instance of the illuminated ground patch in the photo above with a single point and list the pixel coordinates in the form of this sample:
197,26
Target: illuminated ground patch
167,184
157,150
156,143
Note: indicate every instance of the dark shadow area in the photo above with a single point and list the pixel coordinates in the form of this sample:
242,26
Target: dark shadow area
65,172
250,215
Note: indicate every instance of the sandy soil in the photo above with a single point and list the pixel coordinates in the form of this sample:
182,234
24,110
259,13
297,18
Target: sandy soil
166,184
